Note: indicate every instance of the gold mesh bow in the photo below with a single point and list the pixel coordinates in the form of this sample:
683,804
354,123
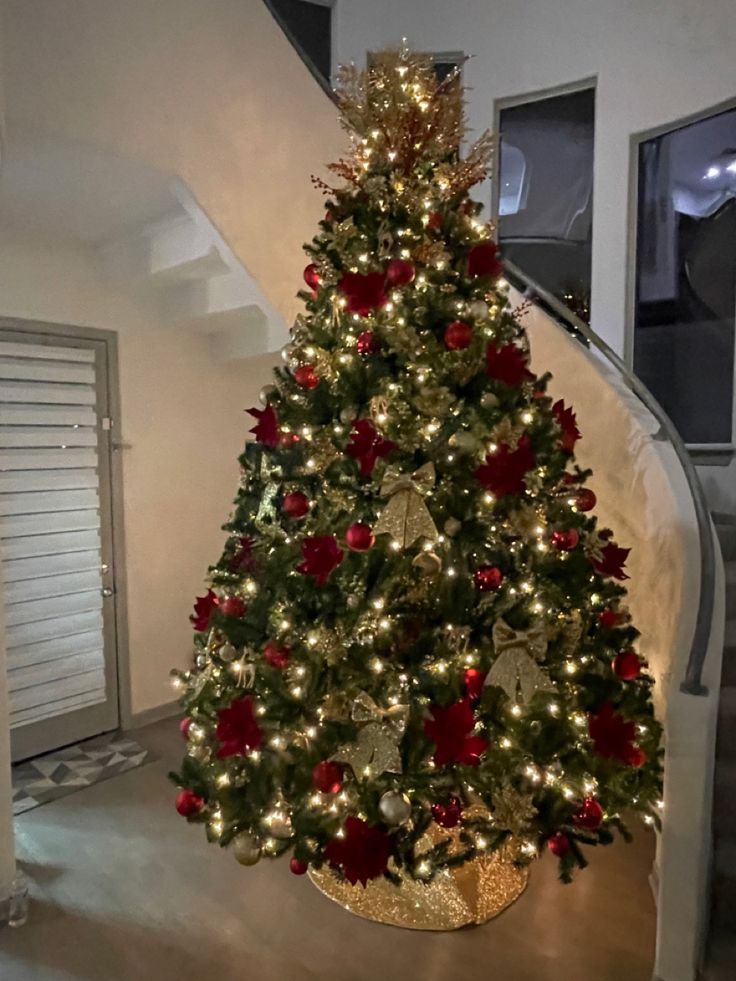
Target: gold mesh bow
376,749
517,653
406,517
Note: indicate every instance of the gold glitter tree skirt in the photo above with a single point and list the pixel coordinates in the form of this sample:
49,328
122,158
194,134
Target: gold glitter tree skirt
473,893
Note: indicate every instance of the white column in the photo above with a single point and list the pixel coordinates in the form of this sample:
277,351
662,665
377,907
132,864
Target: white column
7,844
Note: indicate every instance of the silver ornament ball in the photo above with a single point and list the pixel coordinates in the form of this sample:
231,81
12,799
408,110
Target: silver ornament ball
348,414
479,309
201,661
227,652
452,527
287,353
353,601
265,394
395,807
488,400
245,848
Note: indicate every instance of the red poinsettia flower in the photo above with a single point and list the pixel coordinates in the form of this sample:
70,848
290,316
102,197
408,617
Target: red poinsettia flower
504,471
612,561
266,430
367,446
450,730
483,260
613,736
507,364
364,292
237,729
244,560
567,422
203,609
363,851
321,555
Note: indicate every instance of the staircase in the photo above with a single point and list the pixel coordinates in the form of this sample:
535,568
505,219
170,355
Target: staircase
721,959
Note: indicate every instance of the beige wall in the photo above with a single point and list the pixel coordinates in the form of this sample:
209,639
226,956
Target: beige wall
207,90
182,416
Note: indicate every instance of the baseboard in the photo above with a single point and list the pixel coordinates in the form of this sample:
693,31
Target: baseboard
156,714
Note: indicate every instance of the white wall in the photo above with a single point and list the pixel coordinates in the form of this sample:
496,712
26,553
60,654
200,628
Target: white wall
656,61
182,415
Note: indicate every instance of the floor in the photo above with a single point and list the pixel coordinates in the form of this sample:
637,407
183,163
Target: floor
124,890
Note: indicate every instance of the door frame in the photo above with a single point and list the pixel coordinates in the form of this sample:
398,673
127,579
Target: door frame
64,333
526,98
703,453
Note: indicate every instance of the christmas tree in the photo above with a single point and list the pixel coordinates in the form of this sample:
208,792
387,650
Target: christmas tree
416,624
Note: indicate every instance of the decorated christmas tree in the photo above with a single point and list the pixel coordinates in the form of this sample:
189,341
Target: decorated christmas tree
416,649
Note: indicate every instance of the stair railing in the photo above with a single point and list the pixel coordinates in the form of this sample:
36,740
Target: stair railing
691,684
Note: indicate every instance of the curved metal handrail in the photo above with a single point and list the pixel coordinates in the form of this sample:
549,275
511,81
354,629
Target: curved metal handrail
692,683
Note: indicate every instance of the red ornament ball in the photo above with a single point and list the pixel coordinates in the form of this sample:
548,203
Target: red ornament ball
488,578
564,541
188,803
627,665
359,537
367,343
585,499
312,277
448,815
609,619
327,777
474,682
295,504
276,655
636,757
559,844
232,606
458,335
297,867
184,726
589,814
400,272
306,377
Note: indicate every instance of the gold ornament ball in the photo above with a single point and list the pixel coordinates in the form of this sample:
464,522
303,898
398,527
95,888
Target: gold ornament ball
428,563
465,442
279,827
488,400
245,848
265,394
227,652
395,807
452,526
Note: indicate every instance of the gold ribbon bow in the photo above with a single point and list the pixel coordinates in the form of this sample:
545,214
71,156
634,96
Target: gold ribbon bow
517,652
406,517
376,749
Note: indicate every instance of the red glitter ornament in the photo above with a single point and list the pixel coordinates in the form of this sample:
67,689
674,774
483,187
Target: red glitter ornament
184,726
295,504
400,272
312,277
627,665
367,343
487,578
448,815
297,867
327,777
559,844
585,499
474,682
458,335
610,619
306,377
359,537
564,541
188,803
276,655
589,815
233,606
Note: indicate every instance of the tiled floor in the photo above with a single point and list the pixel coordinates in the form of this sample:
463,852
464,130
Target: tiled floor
124,890
68,770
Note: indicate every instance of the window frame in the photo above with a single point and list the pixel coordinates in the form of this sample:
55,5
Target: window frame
703,453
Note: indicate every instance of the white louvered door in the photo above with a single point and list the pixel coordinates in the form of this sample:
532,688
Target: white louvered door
56,539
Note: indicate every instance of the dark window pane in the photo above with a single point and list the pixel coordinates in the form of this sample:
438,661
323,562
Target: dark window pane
546,190
686,275
309,25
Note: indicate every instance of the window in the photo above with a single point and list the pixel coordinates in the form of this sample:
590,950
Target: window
685,299
309,27
545,189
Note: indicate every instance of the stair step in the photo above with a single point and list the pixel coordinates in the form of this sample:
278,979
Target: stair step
727,537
